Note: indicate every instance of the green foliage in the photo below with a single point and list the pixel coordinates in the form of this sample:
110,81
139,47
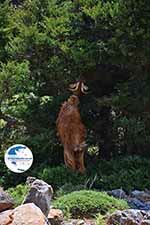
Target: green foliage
128,173
68,188
100,220
88,203
59,176
4,30
47,44
18,193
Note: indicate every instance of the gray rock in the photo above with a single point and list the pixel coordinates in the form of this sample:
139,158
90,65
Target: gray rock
141,195
79,222
129,217
136,200
40,194
6,202
118,193
135,203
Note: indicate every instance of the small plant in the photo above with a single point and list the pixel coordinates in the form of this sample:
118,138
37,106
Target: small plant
100,220
88,203
18,193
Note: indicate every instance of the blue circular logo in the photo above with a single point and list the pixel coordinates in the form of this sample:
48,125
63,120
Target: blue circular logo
18,158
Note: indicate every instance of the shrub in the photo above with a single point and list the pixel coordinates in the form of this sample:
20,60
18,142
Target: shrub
88,203
128,173
60,175
68,188
18,193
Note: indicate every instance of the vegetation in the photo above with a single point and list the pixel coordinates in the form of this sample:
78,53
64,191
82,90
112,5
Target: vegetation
100,220
127,173
88,203
44,46
18,193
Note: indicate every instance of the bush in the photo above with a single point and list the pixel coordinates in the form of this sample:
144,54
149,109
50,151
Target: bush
128,173
88,203
18,193
60,175
68,188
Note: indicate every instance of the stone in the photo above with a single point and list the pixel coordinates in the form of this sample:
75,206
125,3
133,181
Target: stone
145,222
79,222
5,217
129,217
90,221
55,216
135,203
141,195
40,194
27,214
118,193
6,202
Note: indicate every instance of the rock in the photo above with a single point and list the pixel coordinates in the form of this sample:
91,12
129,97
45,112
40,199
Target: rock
55,216
79,222
6,202
134,203
90,221
136,199
27,214
139,200
129,217
118,193
67,222
5,217
143,196
145,222
40,194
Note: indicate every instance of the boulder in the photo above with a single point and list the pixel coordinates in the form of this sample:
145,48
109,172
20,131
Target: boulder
129,217
6,202
27,214
40,194
55,216
118,193
5,217
136,199
143,196
135,203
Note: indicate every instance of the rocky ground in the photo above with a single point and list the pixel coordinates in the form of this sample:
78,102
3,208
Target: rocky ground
136,199
36,208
